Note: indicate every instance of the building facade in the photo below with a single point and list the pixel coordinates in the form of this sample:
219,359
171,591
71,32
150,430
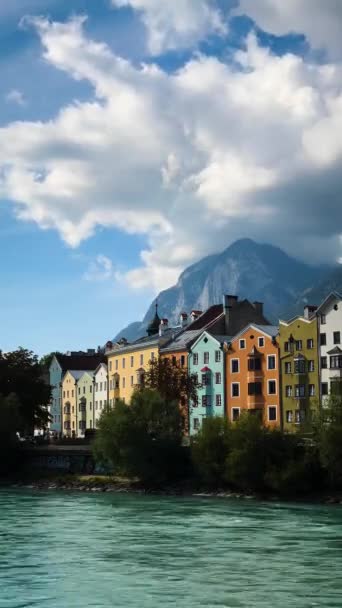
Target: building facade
207,362
329,315
55,409
85,403
69,402
298,343
252,375
101,392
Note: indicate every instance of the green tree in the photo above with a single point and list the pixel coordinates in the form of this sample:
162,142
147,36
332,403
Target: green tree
210,449
329,439
143,439
45,361
22,375
10,422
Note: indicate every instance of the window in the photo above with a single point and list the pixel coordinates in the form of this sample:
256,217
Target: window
272,413
123,382
110,366
79,390
174,361
242,343
123,363
261,342
84,390
68,394
254,388
195,359
218,378
299,366
116,364
141,359
272,387
206,400
286,347
289,416
105,386
235,389
324,388
323,319
218,400
288,368
205,379
196,424
324,362
311,366
299,416
336,362
217,356
235,414
235,366
310,343
288,391
300,390
271,362
101,386
132,361
323,339
205,357
182,360
90,389
132,380
311,390
299,344
152,357
254,364
337,337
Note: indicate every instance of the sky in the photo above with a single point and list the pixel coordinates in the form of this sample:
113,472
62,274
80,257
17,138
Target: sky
138,136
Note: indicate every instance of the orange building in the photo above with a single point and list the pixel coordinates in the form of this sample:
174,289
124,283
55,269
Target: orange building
252,374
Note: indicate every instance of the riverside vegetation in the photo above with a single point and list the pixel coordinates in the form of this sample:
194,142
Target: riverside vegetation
145,440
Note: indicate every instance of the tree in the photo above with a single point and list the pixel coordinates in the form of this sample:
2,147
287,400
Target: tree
22,375
329,439
45,361
9,445
173,382
210,449
143,439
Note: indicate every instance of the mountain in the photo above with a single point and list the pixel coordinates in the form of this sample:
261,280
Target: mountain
248,269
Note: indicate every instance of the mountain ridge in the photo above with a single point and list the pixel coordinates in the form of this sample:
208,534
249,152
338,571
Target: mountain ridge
256,271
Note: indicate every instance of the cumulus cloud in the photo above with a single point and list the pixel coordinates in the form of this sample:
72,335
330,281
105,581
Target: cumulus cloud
100,269
175,24
319,20
192,159
16,97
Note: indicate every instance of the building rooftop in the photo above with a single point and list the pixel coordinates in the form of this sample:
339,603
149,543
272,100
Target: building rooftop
80,362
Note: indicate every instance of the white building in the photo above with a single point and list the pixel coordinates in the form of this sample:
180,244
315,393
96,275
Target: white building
101,391
330,340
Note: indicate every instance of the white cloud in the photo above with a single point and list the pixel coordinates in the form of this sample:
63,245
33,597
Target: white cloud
17,97
176,23
319,20
100,269
193,159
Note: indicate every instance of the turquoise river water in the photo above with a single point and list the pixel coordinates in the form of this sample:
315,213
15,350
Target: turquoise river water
70,550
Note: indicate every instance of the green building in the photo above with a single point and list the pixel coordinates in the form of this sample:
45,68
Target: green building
299,364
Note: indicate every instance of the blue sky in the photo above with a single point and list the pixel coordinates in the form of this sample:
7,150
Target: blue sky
115,175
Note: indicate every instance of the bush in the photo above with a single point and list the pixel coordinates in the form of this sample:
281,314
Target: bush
209,450
143,439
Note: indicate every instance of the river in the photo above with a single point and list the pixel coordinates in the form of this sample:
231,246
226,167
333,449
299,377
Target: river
70,550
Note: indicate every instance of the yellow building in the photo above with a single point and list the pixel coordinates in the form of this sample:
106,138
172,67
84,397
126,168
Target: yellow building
69,402
127,364
85,403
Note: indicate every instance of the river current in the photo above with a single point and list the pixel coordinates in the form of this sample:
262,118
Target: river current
70,550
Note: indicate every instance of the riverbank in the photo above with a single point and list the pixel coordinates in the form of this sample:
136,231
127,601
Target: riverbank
105,483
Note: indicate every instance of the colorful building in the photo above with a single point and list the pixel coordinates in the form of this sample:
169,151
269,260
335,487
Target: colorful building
101,391
252,374
299,361
329,315
70,402
206,361
85,403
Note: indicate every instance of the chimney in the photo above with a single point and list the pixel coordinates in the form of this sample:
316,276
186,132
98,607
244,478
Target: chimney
195,314
183,319
259,308
308,311
163,326
91,351
228,303
109,345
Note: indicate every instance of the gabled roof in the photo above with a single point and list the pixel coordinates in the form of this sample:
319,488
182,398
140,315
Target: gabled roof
182,341
335,351
76,374
334,295
188,334
207,317
102,365
218,339
268,330
79,362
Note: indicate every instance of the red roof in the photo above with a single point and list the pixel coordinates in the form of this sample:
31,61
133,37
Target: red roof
207,317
